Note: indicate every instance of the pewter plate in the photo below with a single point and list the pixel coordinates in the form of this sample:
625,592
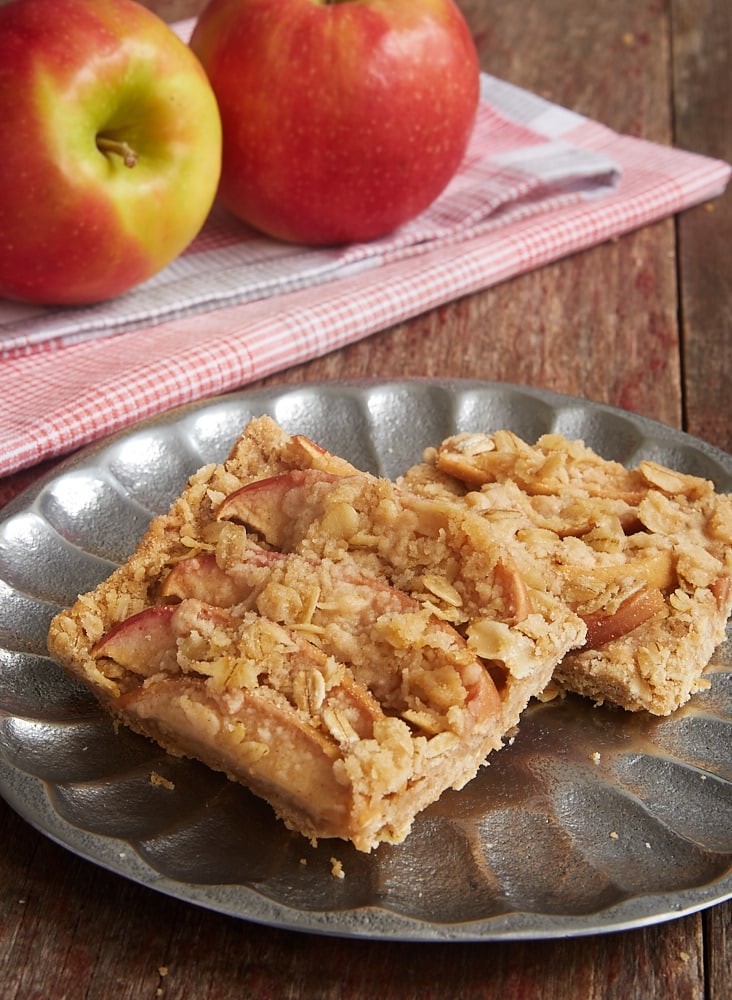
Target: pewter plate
548,841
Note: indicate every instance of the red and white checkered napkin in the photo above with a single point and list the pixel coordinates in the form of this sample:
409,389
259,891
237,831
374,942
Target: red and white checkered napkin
538,182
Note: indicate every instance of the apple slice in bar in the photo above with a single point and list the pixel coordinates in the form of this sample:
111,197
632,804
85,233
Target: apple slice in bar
200,577
144,643
288,508
310,455
409,658
272,506
232,655
269,707
262,743
604,627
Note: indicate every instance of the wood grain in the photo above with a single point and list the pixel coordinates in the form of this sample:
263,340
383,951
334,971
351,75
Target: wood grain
703,115
644,322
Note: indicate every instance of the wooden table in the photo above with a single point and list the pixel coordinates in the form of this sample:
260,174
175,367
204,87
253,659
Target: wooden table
645,323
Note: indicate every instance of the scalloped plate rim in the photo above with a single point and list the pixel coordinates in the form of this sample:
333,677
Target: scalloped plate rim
20,789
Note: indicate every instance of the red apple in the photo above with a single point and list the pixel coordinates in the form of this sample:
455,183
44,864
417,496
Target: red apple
111,150
342,119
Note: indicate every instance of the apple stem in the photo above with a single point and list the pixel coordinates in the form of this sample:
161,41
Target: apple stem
118,147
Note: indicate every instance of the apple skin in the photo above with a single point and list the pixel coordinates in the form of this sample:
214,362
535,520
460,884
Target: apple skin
76,225
341,120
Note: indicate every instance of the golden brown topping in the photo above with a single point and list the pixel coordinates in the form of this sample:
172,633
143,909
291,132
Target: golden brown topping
307,454
554,466
674,483
442,589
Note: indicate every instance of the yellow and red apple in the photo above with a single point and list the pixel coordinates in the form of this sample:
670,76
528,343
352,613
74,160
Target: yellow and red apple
342,119
111,149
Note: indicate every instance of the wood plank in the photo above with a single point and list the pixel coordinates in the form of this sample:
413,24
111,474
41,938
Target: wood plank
703,116
718,951
602,324
703,123
609,62
93,934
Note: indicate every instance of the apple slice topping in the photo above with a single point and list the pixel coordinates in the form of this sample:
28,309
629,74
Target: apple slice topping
360,518
230,655
144,643
201,577
722,590
272,506
147,643
396,648
310,455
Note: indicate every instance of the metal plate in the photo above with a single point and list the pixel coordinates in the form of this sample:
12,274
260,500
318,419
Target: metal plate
545,842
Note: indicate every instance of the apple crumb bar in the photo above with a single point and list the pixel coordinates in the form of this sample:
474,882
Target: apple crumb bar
642,555
346,648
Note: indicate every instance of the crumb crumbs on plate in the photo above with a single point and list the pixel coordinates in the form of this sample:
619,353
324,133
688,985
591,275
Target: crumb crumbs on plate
160,782
162,972
336,868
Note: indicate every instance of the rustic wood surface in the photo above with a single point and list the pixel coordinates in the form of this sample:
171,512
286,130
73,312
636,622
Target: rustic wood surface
644,322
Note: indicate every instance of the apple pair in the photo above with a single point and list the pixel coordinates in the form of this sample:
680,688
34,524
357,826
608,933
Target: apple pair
341,120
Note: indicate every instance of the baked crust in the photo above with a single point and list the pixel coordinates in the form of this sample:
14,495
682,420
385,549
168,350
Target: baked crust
345,648
642,555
